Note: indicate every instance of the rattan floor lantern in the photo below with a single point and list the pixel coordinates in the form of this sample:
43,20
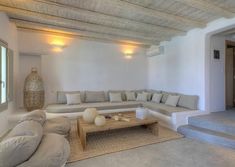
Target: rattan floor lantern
33,91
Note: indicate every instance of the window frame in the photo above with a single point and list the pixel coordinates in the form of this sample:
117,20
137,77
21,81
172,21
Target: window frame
4,106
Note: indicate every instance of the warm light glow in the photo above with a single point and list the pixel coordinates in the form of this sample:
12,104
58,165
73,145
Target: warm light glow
57,42
128,51
57,49
128,56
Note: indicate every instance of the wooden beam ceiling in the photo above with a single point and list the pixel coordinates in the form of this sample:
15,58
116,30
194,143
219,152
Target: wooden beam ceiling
132,21
208,7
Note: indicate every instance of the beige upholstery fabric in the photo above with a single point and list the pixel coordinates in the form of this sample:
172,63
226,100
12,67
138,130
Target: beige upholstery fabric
142,97
63,108
58,125
94,96
172,100
115,97
118,91
61,96
130,96
165,95
149,95
53,151
73,98
188,101
20,143
156,98
36,115
163,109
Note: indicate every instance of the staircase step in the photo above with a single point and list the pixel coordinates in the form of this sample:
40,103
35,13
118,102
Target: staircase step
206,135
213,123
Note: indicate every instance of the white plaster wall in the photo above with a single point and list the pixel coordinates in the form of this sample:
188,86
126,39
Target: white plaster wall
86,65
8,33
181,67
187,65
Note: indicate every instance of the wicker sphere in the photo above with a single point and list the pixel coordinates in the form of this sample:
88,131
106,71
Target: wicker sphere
33,91
100,120
89,115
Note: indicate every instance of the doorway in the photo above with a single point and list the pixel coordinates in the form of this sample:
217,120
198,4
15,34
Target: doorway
230,74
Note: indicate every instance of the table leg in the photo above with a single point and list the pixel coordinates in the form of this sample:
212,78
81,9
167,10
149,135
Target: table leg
154,128
83,139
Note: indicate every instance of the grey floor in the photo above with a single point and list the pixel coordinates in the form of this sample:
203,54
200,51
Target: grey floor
177,153
223,117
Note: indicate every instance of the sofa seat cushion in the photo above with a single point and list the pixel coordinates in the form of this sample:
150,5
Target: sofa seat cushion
53,151
62,108
163,108
58,125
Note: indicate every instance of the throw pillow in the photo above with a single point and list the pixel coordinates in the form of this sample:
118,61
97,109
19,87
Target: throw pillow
130,96
142,97
149,95
115,97
156,98
172,100
94,96
73,98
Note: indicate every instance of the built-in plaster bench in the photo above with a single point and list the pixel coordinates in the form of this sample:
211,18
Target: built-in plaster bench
169,116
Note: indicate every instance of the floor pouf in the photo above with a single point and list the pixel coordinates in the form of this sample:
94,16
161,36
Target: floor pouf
53,151
59,125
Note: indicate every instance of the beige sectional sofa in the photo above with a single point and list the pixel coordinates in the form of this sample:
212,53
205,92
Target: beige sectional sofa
101,101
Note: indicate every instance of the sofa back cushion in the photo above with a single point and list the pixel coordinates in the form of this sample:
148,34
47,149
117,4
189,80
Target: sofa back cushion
188,101
61,96
36,115
20,143
94,96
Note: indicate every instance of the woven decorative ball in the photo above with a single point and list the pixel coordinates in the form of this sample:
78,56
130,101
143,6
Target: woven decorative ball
89,115
33,91
100,120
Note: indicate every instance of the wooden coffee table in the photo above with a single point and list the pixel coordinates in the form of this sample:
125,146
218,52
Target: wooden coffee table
84,128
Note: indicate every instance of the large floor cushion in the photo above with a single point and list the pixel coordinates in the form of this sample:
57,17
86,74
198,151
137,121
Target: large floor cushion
163,108
63,108
53,151
20,143
36,115
58,125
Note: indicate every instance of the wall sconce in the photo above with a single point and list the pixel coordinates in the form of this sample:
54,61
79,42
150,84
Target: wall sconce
128,55
58,44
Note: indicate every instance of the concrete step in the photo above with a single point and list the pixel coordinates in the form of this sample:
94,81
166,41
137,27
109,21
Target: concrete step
217,124
206,135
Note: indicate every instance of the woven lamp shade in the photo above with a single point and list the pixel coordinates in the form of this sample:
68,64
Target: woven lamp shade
33,91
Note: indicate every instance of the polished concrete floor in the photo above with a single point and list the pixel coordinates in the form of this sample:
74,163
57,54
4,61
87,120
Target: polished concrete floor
177,153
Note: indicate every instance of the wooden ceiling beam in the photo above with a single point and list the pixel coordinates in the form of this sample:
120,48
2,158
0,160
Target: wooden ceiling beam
114,21
61,22
208,7
150,12
21,24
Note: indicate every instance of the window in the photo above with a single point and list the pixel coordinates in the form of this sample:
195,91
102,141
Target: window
3,76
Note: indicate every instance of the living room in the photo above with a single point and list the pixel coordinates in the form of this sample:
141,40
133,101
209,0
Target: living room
111,48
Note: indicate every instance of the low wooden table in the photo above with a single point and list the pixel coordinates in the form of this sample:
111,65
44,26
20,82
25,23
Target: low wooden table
111,124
